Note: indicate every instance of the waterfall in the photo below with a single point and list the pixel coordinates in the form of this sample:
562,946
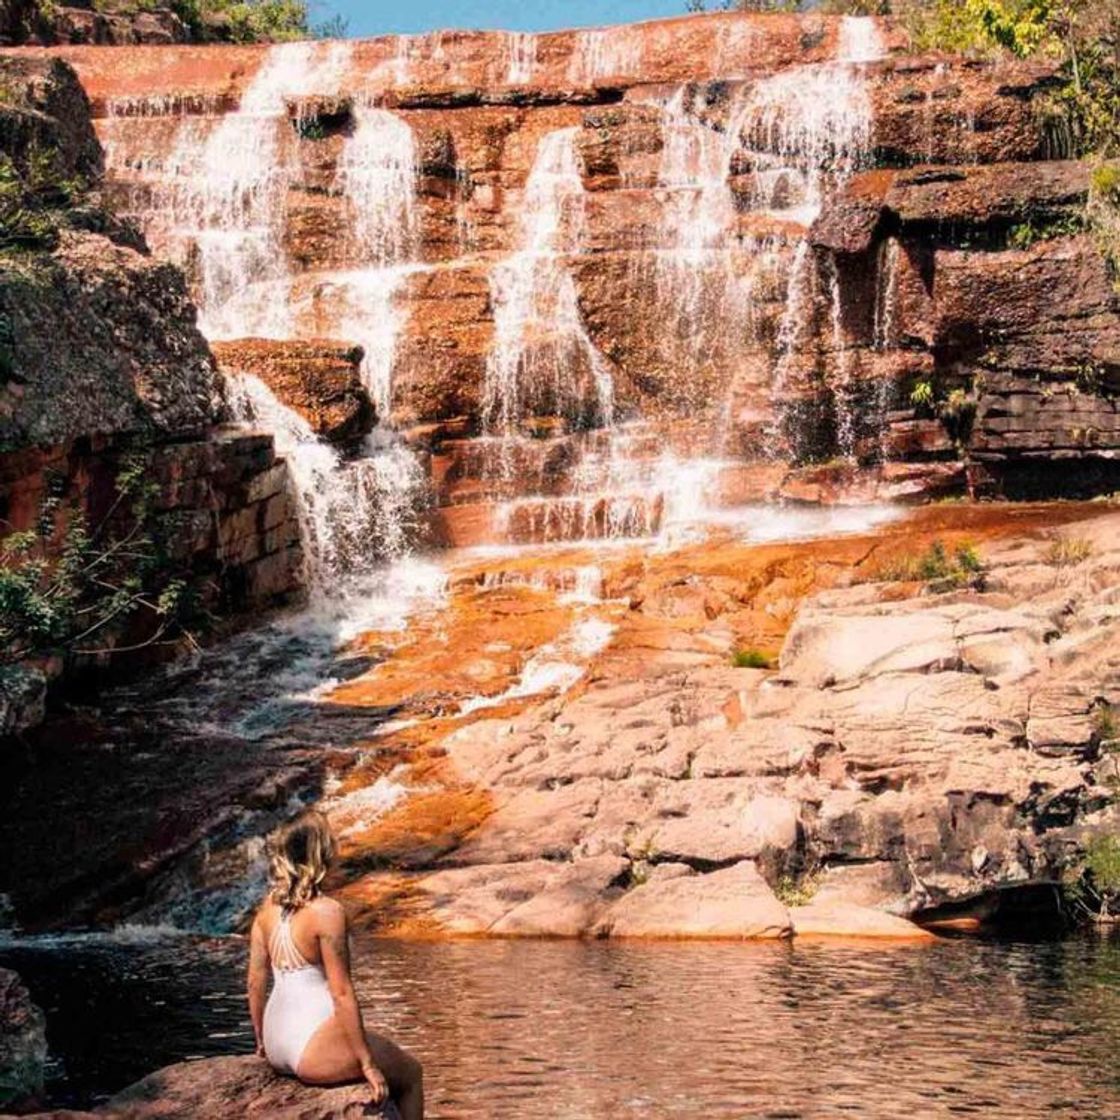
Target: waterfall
860,40
521,57
842,387
542,360
350,510
227,205
377,179
231,195
886,293
605,52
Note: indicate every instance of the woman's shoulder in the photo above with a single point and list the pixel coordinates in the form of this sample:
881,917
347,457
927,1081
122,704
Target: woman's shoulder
327,909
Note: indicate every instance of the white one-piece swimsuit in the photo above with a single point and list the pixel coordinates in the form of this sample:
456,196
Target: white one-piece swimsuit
300,1002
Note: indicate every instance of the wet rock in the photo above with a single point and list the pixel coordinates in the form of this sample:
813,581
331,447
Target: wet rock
23,1041
906,731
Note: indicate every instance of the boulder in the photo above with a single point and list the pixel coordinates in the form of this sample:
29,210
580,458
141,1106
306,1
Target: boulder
103,340
23,1041
733,903
318,378
233,1086
824,919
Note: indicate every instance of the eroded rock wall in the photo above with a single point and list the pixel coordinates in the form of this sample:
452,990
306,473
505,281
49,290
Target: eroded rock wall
103,370
763,232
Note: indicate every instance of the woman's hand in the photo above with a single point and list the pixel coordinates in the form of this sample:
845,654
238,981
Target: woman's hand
376,1081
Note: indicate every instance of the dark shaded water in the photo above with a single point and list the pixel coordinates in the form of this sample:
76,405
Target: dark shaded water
579,1031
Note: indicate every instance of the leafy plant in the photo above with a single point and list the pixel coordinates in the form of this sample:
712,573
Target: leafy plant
71,589
751,659
934,566
922,396
791,890
1027,233
1092,887
310,128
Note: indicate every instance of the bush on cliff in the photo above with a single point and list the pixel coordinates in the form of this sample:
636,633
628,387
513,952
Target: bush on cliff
1082,35
244,21
69,588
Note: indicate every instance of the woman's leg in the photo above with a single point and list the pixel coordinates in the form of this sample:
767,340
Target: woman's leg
328,1060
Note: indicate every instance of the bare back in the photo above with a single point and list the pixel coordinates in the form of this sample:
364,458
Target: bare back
306,925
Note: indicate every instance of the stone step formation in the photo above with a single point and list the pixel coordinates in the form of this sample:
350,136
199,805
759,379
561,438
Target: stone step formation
783,231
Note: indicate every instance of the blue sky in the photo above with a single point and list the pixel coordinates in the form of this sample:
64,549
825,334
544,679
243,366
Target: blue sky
384,17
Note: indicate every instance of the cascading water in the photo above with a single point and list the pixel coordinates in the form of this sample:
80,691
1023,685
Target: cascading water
226,207
352,510
231,190
377,179
605,52
542,361
521,58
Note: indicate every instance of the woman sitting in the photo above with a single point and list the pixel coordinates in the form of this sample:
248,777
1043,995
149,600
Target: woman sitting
311,1026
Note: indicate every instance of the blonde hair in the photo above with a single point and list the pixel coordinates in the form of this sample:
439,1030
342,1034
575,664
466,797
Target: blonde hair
300,855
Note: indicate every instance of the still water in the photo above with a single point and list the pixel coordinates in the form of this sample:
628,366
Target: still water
590,1031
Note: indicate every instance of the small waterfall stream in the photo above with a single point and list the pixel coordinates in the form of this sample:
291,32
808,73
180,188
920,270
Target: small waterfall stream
542,361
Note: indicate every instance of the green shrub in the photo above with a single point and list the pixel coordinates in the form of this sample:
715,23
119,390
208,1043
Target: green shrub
1105,183
751,659
1092,887
922,396
793,890
70,588
933,566
1027,233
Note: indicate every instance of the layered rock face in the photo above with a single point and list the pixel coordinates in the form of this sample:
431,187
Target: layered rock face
915,752
723,239
103,369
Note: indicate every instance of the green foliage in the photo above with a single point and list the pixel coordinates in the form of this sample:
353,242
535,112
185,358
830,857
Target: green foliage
793,890
751,659
33,193
23,224
337,27
1105,183
1027,233
956,409
69,588
934,566
921,396
251,21
978,26
310,128
1102,862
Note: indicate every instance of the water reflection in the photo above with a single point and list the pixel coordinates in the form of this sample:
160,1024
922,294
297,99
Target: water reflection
576,1030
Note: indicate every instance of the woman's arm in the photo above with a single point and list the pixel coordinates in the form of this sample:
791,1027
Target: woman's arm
335,947
257,980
